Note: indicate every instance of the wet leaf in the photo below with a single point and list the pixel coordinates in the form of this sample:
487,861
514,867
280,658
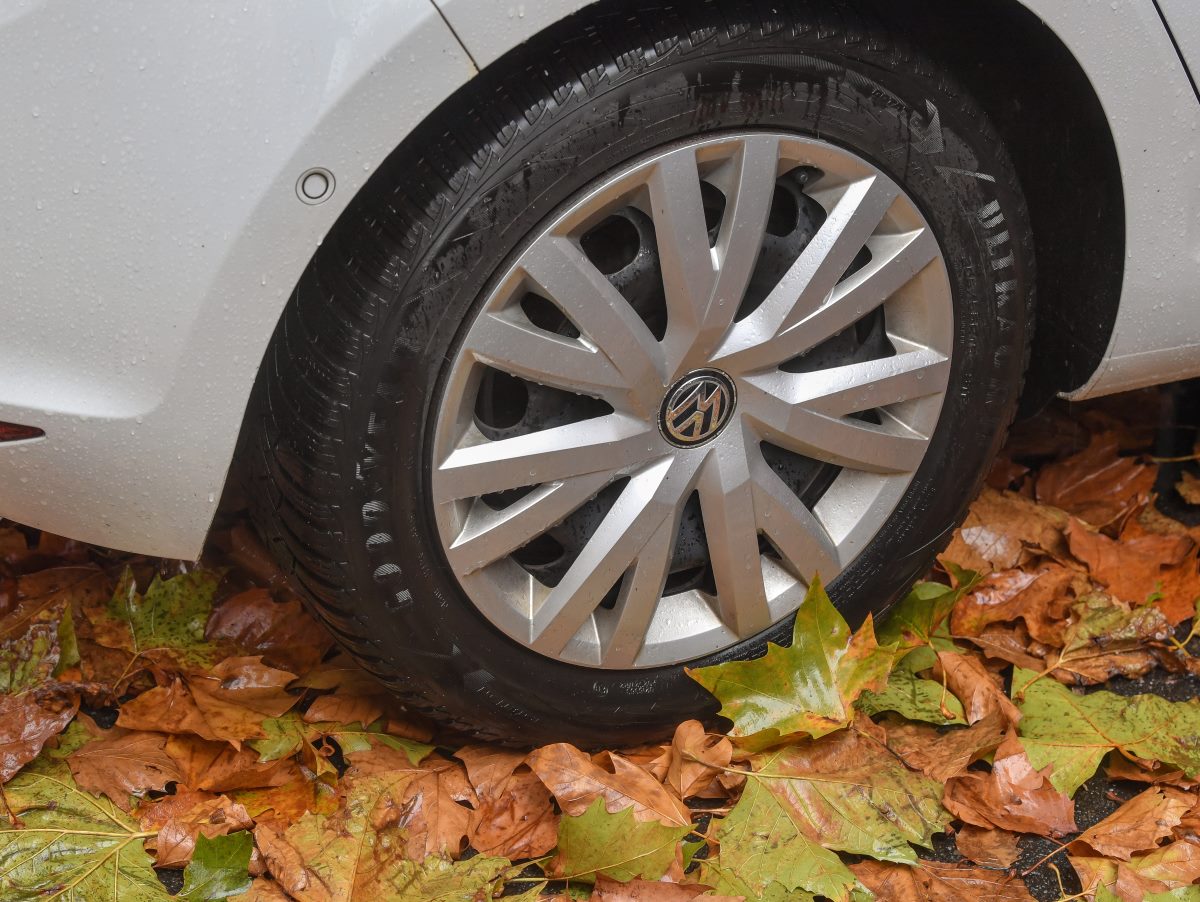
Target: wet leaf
1004,530
1097,484
513,817
935,881
976,687
1173,866
170,615
576,781
914,698
807,689
282,631
119,764
607,890
1072,733
81,848
985,847
183,817
1137,826
1013,796
27,722
944,754
616,845
219,868
920,615
849,793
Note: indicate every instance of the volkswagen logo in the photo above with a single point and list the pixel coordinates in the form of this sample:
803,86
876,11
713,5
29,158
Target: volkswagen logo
697,407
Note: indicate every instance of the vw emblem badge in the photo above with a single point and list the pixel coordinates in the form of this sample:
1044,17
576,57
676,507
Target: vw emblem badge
697,407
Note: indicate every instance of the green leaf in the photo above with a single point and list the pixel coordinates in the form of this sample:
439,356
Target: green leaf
762,855
73,847
852,795
912,697
1183,894
1074,732
219,868
919,616
31,651
354,737
285,736
171,614
807,689
615,845
68,645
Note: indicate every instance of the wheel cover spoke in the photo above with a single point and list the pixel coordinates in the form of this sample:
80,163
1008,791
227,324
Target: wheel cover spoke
699,465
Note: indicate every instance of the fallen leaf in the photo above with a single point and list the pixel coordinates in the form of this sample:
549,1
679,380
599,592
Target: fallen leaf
1013,796
1041,598
807,689
216,767
1134,569
1188,487
762,854
180,818
608,890
944,754
918,617
987,847
616,845
976,687
78,846
1073,732
120,764
27,721
576,781
1004,530
283,632
219,869
914,698
850,794
1173,866
1137,826
696,757
1097,484
936,881
345,709
514,817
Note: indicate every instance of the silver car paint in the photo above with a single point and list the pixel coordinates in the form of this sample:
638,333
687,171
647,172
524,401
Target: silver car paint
152,232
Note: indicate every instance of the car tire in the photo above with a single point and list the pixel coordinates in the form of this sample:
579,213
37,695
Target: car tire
340,438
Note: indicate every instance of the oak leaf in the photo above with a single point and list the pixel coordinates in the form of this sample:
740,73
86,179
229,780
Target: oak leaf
513,817
696,757
806,689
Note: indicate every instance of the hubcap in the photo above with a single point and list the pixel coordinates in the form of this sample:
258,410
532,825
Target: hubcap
710,377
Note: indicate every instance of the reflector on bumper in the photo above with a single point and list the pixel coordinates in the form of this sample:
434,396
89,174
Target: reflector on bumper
15,432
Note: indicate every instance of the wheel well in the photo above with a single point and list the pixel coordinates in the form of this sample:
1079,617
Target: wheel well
1052,122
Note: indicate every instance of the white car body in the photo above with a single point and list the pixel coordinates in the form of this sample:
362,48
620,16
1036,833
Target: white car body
152,230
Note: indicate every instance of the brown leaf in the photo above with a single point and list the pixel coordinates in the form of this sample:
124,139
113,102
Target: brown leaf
609,890
936,882
944,754
986,847
180,818
1097,485
1013,796
283,632
120,764
1009,643
229,703
1121,768
216,767
287,866
283,805
576,781
976,687
1004,530
1137,826
1168,867
338,708
1140,564
514,817
695,758
27,721
263,890
1042,598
